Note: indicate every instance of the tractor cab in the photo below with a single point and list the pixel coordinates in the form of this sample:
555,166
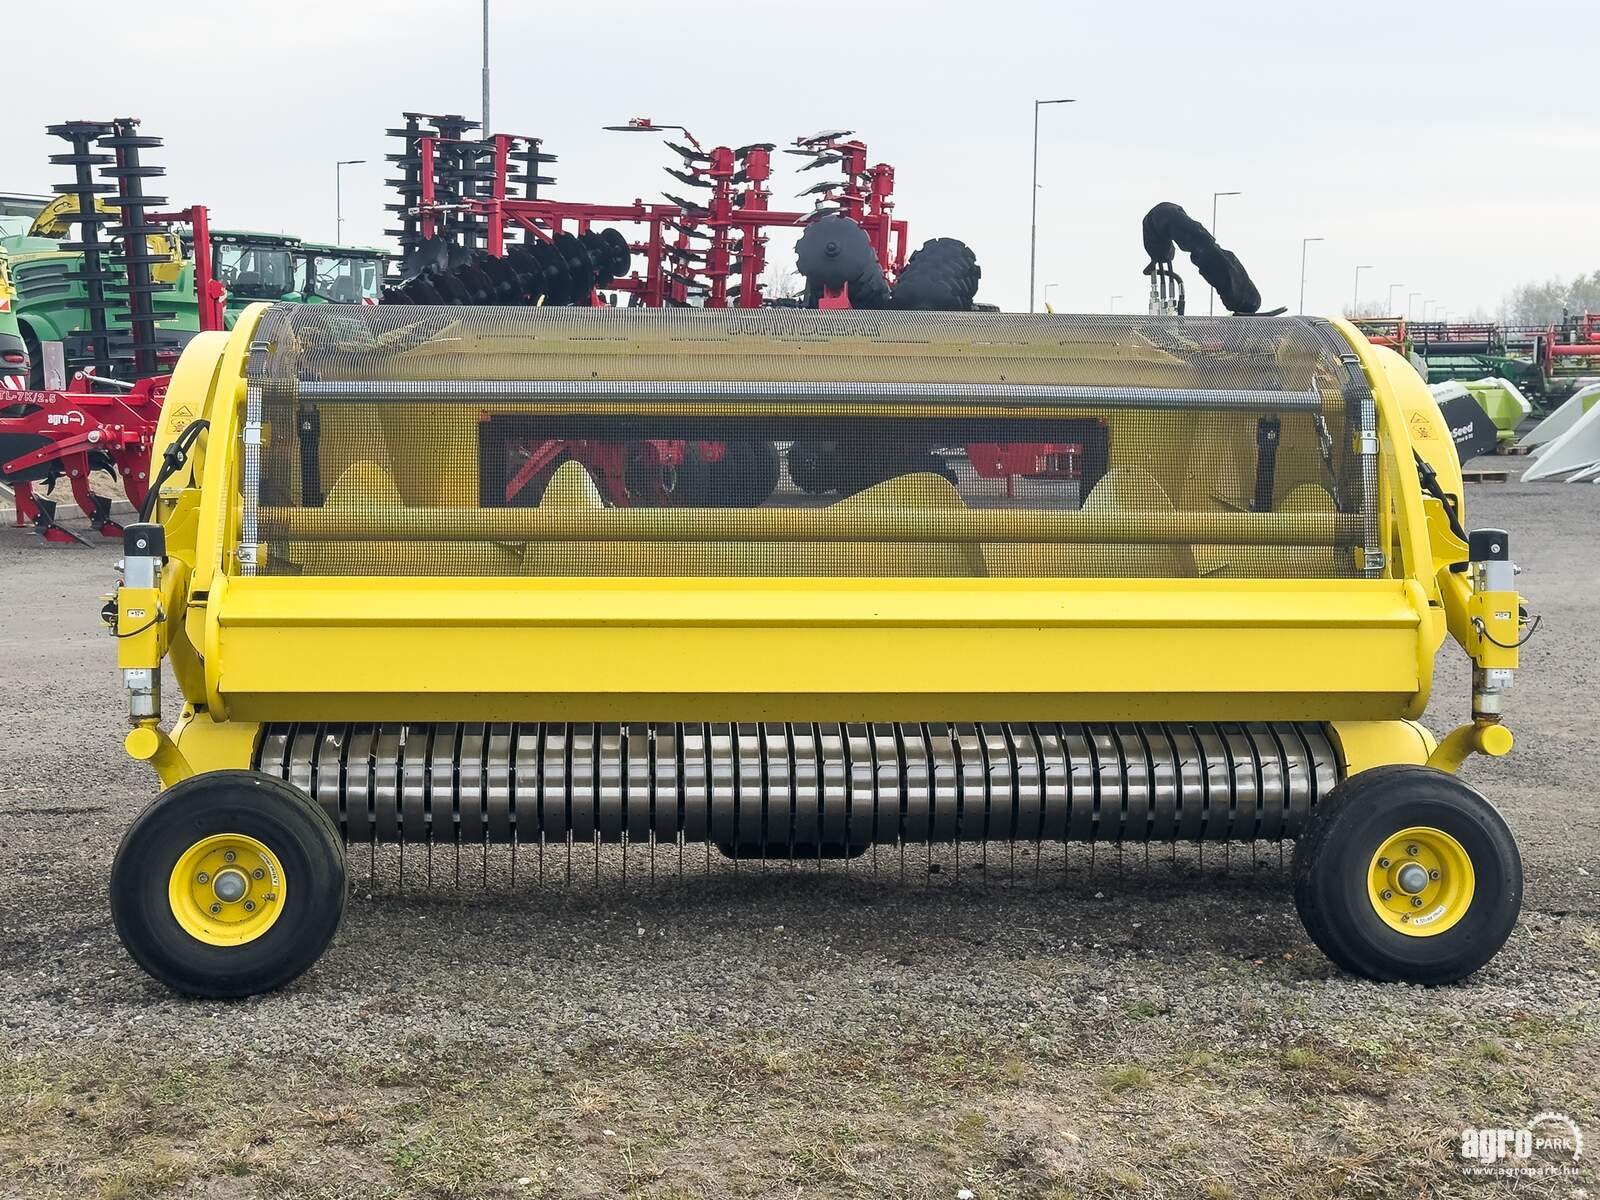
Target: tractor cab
329,274
256,266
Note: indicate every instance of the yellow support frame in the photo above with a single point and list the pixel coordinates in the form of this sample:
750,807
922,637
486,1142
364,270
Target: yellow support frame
1358,653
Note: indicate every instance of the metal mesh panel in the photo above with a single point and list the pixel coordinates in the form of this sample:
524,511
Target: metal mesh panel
424,441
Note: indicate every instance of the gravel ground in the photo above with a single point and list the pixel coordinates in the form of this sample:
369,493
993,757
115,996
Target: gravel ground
1157,1028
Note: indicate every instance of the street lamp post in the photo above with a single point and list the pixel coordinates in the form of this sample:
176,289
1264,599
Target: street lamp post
1389,305
1304,242
1211,303
1355,299
1033,237
1047,288
1410,302
338,196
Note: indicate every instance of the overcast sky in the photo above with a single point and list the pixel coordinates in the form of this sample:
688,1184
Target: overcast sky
1455,147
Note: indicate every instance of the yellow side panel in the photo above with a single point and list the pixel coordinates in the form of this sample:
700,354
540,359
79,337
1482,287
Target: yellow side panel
879,650
1363,745
214,745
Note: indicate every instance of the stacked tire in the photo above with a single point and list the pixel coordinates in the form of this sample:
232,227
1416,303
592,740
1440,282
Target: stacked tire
940,277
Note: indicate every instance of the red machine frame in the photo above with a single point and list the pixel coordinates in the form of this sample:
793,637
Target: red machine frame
734,218
1578,337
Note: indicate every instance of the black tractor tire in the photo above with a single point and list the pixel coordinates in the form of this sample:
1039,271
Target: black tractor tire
299,834
765,472
810,467
1335,857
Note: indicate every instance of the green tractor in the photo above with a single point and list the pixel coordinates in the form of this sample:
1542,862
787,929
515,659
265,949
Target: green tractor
273,266
48,305
13,350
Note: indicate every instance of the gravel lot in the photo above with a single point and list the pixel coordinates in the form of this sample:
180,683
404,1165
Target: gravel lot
1159,1028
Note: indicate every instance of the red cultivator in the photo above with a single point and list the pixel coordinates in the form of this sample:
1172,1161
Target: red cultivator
46,436
467,237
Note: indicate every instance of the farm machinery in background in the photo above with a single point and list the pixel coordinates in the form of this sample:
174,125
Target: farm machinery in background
476,226
50,299
104,419
1545,362
108,290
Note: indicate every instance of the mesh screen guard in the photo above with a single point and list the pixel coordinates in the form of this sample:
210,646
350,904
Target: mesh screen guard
583,442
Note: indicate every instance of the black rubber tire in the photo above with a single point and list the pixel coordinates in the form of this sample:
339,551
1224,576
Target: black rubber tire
296,829
722,480
809,465
1334,853
683,486
766,469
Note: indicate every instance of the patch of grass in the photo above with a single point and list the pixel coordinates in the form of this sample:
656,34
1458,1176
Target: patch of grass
1299,1058
1129,1078
1490,1051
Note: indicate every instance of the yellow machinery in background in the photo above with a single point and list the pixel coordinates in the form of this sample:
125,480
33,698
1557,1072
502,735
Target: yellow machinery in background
800,584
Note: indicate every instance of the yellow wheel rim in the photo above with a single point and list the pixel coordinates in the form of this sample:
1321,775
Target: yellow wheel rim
1421,881
226,889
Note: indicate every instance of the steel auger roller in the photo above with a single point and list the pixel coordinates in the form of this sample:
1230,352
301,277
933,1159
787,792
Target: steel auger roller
561,579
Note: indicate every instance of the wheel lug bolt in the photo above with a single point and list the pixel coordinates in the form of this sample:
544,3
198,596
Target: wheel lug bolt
257,873
203,877
1433,874
1384,863
1412,851
229,856
215,909
250,905
1416,902
1387,894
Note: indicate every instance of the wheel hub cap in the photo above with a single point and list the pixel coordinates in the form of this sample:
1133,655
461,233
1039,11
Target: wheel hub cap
226,890
1420,881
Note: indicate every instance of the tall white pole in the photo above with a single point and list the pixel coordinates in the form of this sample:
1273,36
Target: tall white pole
1355,298
338,196
1033,198
486,129
1211,302
1304,242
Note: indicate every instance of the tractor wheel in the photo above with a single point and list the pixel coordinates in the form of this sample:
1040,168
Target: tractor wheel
746,476
810,467
229,884
1406,874
655,485
765,471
